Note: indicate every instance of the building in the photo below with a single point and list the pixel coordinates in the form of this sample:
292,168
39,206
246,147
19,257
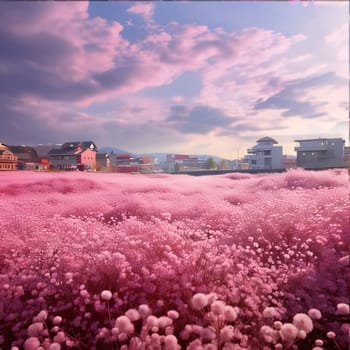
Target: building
27,157
42,150
74,156
184,162
149,165
347,157
125,163
103,162
8,160
320,153
265,155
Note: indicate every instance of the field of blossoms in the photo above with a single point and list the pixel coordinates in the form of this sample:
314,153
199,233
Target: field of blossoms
235,261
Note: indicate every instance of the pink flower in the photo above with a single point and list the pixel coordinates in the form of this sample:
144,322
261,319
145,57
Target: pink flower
303,322
288,332
106,295
199,301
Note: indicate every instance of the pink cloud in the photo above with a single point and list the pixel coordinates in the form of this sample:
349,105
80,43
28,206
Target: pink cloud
93,59
339,39
95,63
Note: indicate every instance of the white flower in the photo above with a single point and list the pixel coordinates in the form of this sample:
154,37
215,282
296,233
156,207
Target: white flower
35,329
345,260
31,343
132,314
57,320
41,316
230,313
217,307
106,295
173,314
55,346
270,312
124,325
144,310
315,314
226,333
288,332
330,335
199,301
269,334
303,322
343,309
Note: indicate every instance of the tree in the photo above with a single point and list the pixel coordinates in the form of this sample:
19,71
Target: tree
211,164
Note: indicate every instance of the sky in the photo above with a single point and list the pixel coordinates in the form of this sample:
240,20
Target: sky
177,77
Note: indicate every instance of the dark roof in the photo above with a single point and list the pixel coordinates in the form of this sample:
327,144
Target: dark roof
60,152
267,139
82,144
73,148
25,153
101,155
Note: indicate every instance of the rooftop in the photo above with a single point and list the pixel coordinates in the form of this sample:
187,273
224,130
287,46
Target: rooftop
321,139
267,139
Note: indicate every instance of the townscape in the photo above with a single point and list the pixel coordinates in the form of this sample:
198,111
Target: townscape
321,153
174,175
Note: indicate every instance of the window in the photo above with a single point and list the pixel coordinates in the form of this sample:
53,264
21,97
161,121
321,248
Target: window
267,153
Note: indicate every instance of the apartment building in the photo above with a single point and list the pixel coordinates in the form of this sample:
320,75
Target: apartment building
320,153
265,155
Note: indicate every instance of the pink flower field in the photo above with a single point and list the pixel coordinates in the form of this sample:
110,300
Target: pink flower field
112,261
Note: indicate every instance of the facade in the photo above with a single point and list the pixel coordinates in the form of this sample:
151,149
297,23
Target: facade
347,157
265,155
183,162
125,163
320,153
149,165
8,160
103,162
74,156
27,157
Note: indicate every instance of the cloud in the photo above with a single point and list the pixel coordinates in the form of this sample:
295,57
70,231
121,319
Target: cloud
53,51
198,120
59,53
27,121
291,98
339,40
57,61
144,9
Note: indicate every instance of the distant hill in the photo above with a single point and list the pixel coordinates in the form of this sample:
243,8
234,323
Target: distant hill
114,150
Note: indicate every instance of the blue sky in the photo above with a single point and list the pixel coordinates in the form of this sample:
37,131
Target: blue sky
179,77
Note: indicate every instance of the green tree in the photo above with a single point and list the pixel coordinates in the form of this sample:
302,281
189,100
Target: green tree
211,164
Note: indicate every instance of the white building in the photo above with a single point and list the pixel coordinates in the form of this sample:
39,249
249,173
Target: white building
320,153
265,155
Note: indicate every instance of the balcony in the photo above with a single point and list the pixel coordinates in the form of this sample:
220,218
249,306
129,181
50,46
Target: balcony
314,148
